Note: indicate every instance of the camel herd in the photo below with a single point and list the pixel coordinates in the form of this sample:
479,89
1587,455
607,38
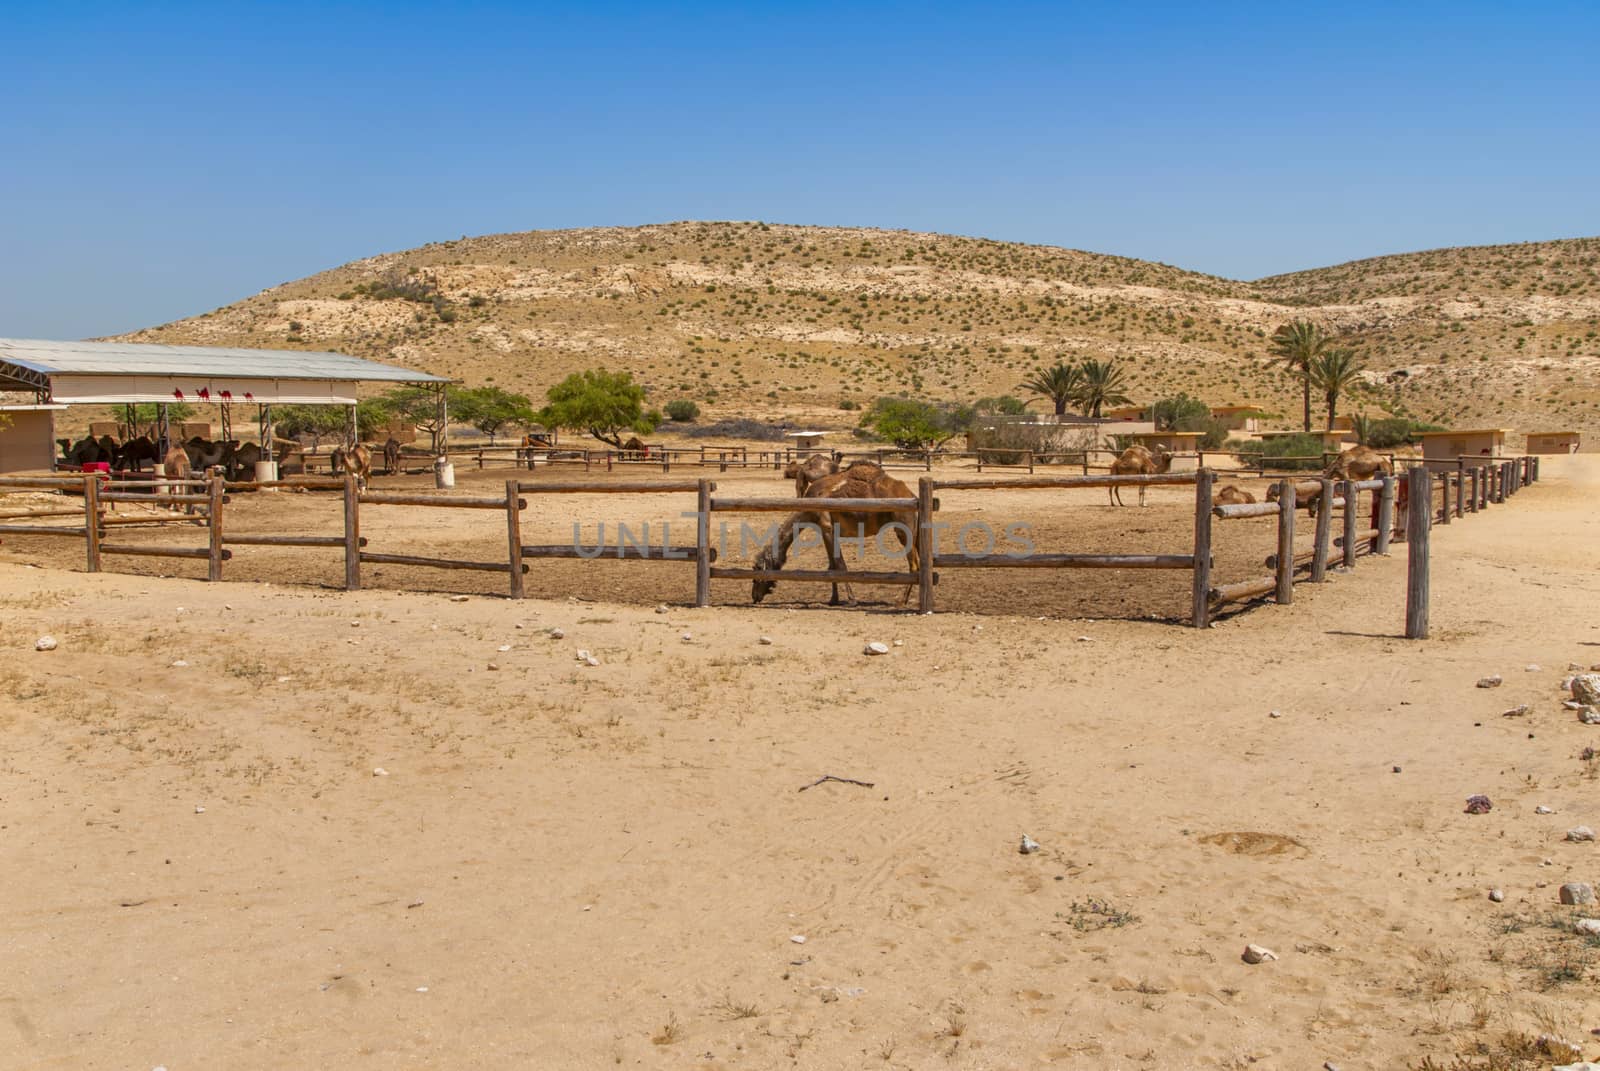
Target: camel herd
234,459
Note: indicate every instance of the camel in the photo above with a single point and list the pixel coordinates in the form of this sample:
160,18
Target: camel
864,479
175,466
1138,461
88,450
1360,463
135,452
357,461
204,454
635,448
1307,496
1232,495
809,470
391,456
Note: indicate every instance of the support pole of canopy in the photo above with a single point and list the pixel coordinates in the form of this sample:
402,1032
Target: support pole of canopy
264,430
130,420
163,434
227,421
444,423
350,429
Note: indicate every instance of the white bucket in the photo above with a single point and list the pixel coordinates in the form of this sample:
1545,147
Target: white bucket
267,470
444,473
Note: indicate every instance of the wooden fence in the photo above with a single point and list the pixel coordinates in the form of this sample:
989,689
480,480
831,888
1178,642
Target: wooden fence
1434,498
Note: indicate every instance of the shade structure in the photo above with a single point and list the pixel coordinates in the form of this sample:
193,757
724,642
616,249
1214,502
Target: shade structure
111,372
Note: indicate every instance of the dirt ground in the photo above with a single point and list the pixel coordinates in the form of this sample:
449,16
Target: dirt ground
269,824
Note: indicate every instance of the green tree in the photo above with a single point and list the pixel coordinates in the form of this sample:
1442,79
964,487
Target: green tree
916,425
291,421
1180,413
1060,384
1005,405
1101,384
1294,346
1334,372
490,408
682,411
1361,424
605,404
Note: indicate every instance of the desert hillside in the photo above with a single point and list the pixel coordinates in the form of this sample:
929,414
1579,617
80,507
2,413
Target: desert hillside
788,322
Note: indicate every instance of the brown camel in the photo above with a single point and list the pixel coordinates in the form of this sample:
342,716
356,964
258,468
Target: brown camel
809,470
1233,495
391,455
1307,495
635,449
175,466
1138,461
357,461
863,479
1360,463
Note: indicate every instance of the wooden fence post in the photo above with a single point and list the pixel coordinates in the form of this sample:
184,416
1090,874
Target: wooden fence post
514,536
214,524
1385,516
1319,559
1285,590
702,543
924,544
1200,589
1417,531
1351,512
1473,497
1461,486
1444,498
352,535
91,520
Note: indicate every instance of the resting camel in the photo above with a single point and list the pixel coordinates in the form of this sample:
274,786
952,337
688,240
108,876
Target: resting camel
1307,495
636,447
1138,461
88,450
808,471
357,461
1360,463
864,479
1232,495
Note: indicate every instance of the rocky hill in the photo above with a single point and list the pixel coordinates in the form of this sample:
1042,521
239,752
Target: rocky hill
789,322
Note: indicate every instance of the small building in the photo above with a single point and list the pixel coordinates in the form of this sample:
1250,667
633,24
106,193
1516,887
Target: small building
806,442
1127,412
1173,442
1553,442
1469,442
1238,417
28,437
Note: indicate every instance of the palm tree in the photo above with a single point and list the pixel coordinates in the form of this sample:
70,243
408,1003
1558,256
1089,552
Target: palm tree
1060,384
1334,372
1361,425
1295,346
1102,383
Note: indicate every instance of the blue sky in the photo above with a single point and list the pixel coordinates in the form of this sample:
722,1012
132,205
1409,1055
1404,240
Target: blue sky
160,160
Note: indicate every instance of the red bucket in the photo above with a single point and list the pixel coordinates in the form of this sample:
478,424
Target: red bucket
97,466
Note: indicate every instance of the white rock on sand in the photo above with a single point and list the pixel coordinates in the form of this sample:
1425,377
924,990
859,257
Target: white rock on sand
1258,954
45,643
876,648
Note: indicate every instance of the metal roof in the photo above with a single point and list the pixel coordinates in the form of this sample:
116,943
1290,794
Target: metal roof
44,358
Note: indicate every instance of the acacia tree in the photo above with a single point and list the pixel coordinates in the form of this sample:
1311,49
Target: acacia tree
490,408
605,404
1101,384
1334,372
915,425
1060,384
1294,346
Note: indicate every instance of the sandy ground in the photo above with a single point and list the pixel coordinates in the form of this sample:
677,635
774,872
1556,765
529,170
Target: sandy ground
573,866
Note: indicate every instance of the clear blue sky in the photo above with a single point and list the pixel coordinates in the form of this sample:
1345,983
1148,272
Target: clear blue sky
157,163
